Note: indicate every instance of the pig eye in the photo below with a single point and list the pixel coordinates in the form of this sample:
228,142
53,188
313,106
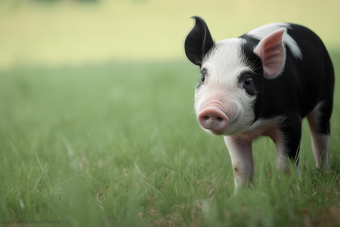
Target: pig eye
203,73
248,81
248,84
202,77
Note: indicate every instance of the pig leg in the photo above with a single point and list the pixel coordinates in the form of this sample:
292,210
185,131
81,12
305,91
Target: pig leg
320,128
241,155
288,143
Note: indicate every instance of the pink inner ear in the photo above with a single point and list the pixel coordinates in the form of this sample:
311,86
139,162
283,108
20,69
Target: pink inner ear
271,51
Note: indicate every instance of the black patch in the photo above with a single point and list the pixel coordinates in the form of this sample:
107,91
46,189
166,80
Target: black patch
256,64
291,131
250,39
314,73
198,42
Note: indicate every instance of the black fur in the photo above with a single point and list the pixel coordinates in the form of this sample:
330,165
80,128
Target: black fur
198,42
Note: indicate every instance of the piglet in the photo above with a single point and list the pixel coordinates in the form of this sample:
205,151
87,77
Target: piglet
263,83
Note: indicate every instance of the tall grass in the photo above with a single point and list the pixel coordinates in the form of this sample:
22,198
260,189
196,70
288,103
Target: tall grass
119,145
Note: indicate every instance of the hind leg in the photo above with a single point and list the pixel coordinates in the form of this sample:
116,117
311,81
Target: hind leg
320,131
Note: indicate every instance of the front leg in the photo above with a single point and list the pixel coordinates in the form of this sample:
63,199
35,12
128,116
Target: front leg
241,155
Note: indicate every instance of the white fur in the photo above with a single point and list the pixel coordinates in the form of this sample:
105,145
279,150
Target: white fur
241,156
240,151
265,30
224,66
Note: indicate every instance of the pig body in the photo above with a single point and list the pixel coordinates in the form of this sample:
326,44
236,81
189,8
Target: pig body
263,83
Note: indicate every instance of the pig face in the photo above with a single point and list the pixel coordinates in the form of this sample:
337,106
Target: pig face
226,93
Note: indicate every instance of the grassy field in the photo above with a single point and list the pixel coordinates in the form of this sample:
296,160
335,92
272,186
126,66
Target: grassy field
119,145
98,128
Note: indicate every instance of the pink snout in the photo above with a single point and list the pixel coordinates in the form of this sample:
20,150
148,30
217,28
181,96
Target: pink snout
213,119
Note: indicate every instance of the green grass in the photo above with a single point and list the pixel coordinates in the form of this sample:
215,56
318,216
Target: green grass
119,145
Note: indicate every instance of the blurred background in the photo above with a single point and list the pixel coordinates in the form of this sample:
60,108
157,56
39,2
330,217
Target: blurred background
79,32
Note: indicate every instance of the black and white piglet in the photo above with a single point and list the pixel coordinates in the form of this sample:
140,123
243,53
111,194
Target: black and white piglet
263,83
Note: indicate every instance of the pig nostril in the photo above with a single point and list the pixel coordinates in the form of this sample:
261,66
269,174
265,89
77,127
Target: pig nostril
206,118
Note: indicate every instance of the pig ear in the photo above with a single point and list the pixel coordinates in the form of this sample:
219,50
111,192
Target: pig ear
272,52
198,42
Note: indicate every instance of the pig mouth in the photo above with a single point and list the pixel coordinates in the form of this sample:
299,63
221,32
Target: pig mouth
213,117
